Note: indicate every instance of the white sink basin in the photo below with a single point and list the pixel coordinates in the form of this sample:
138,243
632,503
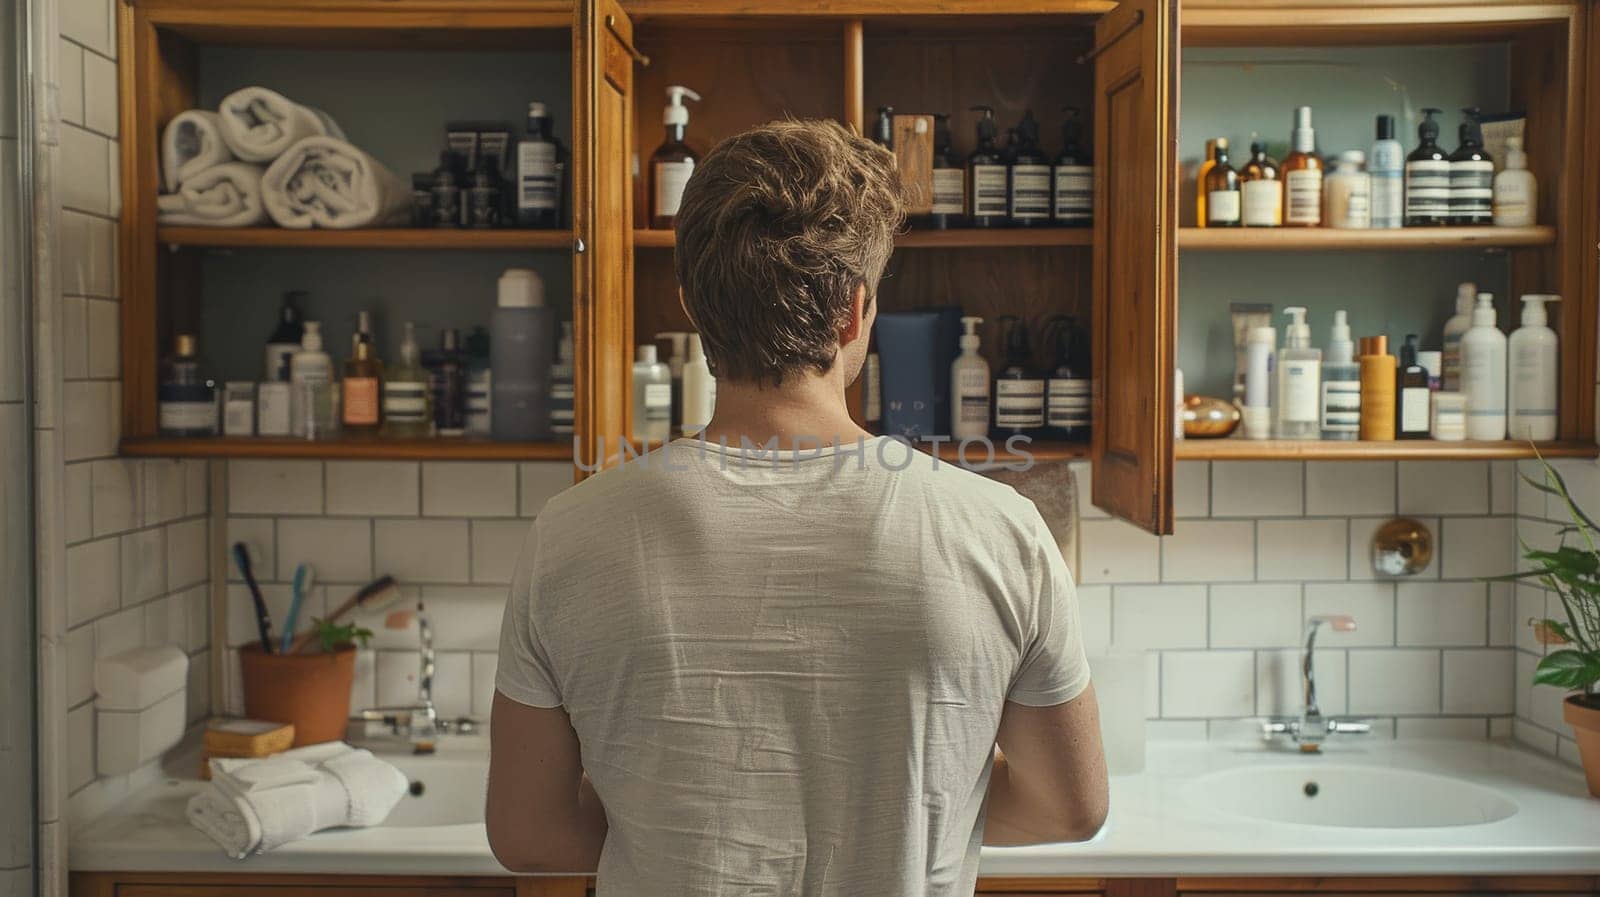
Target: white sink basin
443,792
1351,796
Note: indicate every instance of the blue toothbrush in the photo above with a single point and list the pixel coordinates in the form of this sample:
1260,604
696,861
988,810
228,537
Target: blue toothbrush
302,584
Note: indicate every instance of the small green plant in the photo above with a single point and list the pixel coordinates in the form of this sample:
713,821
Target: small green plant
1572,572
332,636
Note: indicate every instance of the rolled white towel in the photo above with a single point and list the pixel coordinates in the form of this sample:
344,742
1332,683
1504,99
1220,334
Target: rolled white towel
259,124
373,786
226,195
326,182
190,144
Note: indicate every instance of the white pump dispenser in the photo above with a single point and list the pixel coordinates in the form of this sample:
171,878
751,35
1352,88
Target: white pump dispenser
969,386
1299,381
673,162
675,112
1531,401
311,380
1483,373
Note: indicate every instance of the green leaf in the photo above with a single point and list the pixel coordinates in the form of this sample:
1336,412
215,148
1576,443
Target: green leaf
1567,669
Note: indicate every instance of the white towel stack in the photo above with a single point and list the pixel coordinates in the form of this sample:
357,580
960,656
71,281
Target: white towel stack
253,806
263,155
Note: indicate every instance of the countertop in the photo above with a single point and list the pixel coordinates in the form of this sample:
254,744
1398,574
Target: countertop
1157,827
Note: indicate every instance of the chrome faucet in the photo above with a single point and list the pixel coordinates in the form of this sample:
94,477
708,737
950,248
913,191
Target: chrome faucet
420,722
1311,729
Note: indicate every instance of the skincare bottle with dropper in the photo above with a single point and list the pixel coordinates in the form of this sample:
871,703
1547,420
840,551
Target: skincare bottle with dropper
1427,177
1483,373
1531,402
1454,330
986,176
1302,175
672,162
1299,381
362,386
969,385
1341,384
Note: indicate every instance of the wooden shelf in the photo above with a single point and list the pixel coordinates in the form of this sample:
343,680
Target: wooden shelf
410,238
1401,450
1315,239
956,238
441,449
1040,449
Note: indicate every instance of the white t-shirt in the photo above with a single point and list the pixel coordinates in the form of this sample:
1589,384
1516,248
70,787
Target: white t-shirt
787,673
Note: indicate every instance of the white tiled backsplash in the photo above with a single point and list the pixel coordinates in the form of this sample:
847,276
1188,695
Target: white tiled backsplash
1220,605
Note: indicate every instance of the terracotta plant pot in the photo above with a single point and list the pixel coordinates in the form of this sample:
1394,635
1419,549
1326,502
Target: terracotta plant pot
312,691
1585,723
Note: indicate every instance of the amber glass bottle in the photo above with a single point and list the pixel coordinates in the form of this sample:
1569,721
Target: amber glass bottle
1302,175
1200,178
362,395
1260,190
1222,191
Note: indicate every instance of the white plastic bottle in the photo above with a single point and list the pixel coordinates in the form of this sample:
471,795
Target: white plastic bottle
1386,164
1531,400
1256,415
969,387
652,398
699,389
1299,381
1483,373
1516,191
1454,329
1341,384
312,412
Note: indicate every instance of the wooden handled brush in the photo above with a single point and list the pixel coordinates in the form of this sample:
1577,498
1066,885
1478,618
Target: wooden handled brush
375,595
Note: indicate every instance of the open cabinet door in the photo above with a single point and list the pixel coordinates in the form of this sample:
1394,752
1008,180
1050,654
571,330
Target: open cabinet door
602,225
1135,260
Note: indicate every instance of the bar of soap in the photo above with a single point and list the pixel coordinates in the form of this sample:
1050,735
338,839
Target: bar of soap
247,737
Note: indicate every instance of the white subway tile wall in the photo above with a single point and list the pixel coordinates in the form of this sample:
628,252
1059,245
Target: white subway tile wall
1221,605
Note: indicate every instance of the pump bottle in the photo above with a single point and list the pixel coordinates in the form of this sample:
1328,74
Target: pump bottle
673,161
949,179
406,405
1341,384
1073,185
1516,192
1067,384
1483,373
1299,380
1531,405
1028,188
986,176
1454,329
285,339
1427,177
311,382
1018,388
969,384
1471,175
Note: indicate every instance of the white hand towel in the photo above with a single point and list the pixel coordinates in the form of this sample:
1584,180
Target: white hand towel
190,144
226,195
246,775
259,124
372,786
325,182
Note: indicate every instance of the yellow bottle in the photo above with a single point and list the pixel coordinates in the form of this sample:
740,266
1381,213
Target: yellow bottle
1377,390
1206,165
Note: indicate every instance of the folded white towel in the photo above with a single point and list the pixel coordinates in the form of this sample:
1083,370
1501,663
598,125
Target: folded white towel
325,182
226,195
190,144
253,806
259,124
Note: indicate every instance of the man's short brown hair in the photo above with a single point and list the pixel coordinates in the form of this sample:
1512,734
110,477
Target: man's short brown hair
777,228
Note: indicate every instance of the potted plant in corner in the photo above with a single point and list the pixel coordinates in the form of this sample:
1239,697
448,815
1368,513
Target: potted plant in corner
1572,572
310,689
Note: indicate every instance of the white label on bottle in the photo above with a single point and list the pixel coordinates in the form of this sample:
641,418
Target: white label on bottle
188,416
1018,404
1414,401
1451,377
1299,392
658,401
536,175
1068,402
239,417
1074,189
1262,202
1341,406
1352,207
671,178
1533,380
1513,206
972,388
1471,189
1222,207
1428,189
1303,196
1030,192
405,402
272,409
948,188
989,190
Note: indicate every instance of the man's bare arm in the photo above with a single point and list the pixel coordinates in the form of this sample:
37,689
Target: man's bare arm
543,814
1050,784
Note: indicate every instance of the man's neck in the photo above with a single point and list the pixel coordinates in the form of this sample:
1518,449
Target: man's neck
804,410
